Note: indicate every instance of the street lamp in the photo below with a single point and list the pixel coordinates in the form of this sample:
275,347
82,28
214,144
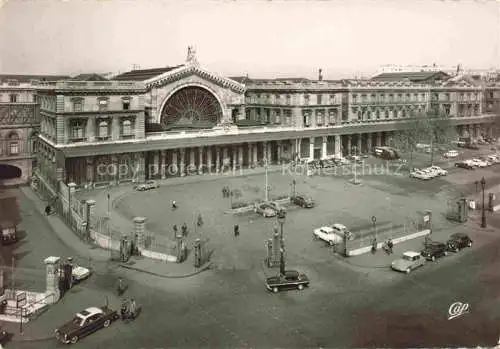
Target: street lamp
374,222
293,185
109,205
281,220
267,185
483,216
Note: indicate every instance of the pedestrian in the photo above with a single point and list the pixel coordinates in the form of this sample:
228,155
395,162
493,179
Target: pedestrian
374,245
200,220
390,244
174,205
184,230
132,308
47,210
120,287
236,230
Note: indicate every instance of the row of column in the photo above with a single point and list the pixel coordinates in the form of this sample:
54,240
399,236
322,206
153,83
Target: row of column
476,130
372,138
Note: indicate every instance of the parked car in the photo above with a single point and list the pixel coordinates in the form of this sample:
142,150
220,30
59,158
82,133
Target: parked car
328,163
429,172
292,279
84,323
327,234
79,273
302,201
277,207
147,186
264,209
472,146
458,241
438,170
495,159
435,250
341,230
479,162
408,262
451,154
465,164
419,174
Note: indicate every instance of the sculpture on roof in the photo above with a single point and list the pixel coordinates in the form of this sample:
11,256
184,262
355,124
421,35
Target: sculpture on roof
191,56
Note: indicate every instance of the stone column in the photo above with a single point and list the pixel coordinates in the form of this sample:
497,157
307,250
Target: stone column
191,157
264,151
311,148
379,139
139,230
249,145
490,132
71,194
141,158
349,144
279,149
114,162
52,278
269,151
156,163
182,162
359,142
369,142
90,208
240,156
209,159
235,157
324,151
90,129
163,164
175,166
217,159
338,146
255,151
200,159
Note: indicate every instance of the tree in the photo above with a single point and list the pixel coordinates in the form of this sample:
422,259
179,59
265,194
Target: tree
406,140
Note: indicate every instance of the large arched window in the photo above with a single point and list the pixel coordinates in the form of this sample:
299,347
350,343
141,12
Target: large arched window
127,128
103,129
13,144
191,107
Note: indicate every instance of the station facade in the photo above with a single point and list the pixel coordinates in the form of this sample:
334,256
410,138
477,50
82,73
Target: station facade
184,120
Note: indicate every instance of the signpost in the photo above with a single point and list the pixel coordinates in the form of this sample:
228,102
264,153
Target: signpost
20,303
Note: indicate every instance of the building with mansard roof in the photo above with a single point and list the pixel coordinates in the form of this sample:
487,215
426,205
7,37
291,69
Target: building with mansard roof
184,120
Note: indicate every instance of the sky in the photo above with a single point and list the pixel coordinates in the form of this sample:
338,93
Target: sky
261,38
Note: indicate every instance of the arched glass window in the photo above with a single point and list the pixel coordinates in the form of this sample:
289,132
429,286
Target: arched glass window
127,127
14,144
103,129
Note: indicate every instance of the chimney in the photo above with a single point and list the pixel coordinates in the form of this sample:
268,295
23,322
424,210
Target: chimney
320,75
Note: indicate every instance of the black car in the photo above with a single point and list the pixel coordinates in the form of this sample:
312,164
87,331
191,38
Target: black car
466,165
302,201
434,251
292,279
458,241
472,146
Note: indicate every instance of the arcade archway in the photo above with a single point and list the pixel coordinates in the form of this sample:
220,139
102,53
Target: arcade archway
191,107
9,172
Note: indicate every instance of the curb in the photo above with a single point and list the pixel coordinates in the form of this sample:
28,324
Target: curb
198,271
18,339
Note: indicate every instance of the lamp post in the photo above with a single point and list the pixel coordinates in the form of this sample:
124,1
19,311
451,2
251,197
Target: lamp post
293,186
267,184
281,220
109,205
477,185
483,216
374,222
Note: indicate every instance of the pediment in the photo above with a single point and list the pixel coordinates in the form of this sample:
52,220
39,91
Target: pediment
189,70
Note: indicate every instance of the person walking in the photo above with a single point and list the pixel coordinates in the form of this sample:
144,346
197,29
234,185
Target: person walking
47,210
132,308
184,230
236,230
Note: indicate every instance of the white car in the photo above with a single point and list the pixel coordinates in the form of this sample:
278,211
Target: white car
79,273
430,172
341,230
438,170
328,235
479,163
495,159
451,154
419,174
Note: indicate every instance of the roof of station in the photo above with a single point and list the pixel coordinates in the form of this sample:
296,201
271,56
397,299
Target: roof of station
144,74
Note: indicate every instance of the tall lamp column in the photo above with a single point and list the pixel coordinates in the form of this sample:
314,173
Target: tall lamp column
281,220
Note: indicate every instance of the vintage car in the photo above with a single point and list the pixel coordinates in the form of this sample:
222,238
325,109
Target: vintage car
84,323
302,201
79,273
328,235
292,279
434,250
341,230
465,164
479,163
419,174
451,154
458,241
264,209
147,186
408,261
438,170
276,206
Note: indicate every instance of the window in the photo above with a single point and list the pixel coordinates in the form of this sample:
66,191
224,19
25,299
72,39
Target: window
363,98
360,115
332,99
387,114
447,109
103,130
320,117
306,99
13,144
382,97
77,106
13,98
103,105
77,129
447,96
277,98
288,99
391,97
403,113
354,98
247,114
369,115
332,114
373,97
268,116
400,97
306,118
320,99
377,114
127,128
476,109
287,113
126,104
35,99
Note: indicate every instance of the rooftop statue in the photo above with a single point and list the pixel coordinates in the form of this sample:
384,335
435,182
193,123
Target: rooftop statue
191,56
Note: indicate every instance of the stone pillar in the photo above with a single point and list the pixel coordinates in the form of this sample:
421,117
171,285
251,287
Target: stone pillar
338,146
139,230
311,148
90,208
71,194
254,153
264,151
349,144
279,149
268,156
225,154
52,277
114,162
182,162
490,132
192,160
175,166
209,159
141,158
217,159
235,158
369,142
200,159
324,151
163,164
240,156
249,153
359,142
379,139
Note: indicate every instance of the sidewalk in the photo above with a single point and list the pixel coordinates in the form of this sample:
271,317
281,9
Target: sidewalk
64,233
